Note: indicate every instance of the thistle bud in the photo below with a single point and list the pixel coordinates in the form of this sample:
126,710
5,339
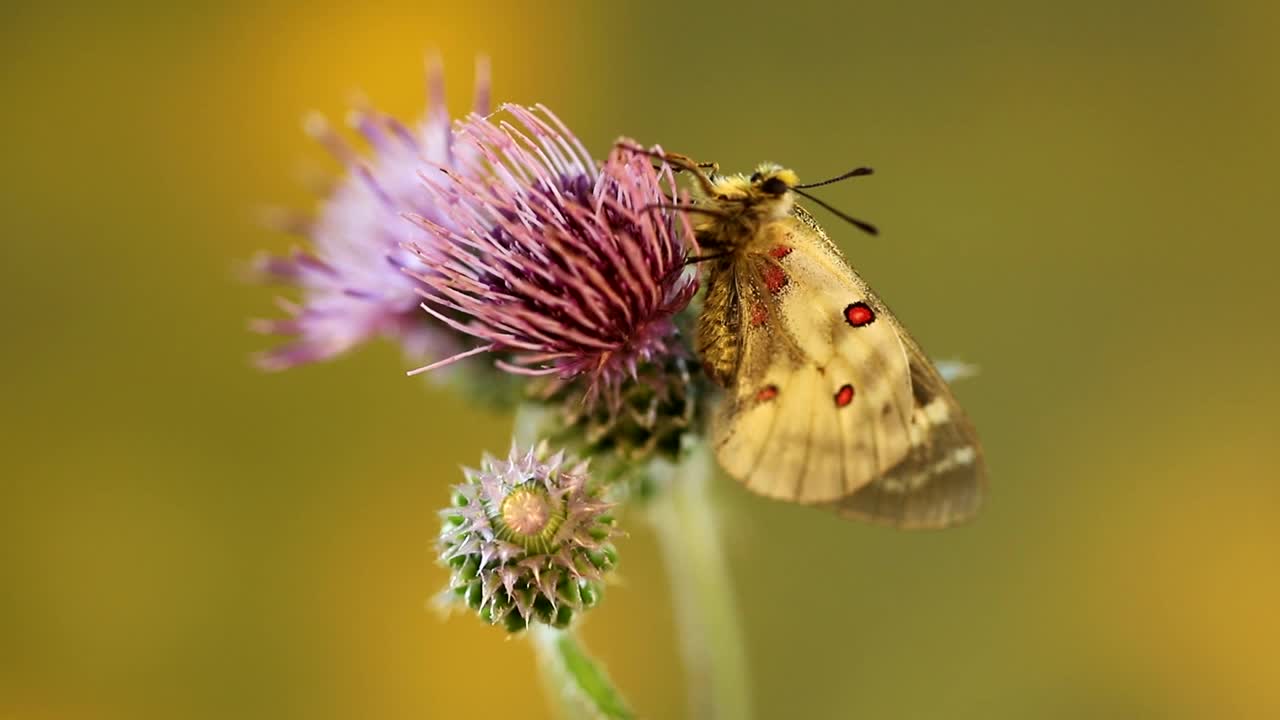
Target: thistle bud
649,416
527,539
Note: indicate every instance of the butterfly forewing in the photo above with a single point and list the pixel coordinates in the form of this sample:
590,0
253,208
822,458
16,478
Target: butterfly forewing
942,481
829,399
820,403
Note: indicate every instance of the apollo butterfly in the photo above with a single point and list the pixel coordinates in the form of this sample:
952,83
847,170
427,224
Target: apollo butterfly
828,400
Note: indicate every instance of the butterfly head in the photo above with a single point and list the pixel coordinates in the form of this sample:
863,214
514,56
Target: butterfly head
765,194
734,208
773,180
768,194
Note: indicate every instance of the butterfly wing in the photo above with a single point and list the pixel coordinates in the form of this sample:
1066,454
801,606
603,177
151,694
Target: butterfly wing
831,401
942,480
820,404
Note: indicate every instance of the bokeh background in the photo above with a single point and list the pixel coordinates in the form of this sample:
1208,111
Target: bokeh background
1081,197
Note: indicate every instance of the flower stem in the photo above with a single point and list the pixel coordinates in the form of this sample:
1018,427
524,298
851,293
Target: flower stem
706,613
579,687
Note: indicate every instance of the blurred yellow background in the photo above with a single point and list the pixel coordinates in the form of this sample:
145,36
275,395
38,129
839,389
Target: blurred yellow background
1079,197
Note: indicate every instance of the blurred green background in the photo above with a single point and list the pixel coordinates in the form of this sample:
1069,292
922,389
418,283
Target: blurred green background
1080,197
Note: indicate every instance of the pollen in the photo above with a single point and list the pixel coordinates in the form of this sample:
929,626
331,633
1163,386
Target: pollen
767,393
759,314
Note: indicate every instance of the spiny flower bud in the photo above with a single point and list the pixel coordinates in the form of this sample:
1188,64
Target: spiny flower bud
527,539
653,413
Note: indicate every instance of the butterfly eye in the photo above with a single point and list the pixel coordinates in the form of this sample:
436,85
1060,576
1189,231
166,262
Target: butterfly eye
774,186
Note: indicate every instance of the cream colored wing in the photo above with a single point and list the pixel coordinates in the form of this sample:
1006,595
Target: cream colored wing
821,402
832,401
942,480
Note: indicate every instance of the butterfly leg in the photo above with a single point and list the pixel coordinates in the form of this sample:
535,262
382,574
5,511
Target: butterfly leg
695,259
684,208
679,162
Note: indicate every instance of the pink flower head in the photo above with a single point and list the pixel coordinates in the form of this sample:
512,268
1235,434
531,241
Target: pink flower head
570,267
353,280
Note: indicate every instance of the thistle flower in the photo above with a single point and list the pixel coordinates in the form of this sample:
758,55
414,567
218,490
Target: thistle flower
353,280
527,539
574,268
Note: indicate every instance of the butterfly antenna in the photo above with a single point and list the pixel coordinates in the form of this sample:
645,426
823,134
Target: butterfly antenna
856,172
865,227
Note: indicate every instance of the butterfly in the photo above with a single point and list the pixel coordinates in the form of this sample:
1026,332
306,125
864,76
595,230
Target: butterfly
828,399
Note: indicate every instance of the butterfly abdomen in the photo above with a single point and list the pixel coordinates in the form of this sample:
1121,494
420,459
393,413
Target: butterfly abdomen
718,335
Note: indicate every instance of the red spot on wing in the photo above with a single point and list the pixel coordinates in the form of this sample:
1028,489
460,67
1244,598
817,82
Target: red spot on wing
859,314
780,251
767,393
844,395
759,314
774,279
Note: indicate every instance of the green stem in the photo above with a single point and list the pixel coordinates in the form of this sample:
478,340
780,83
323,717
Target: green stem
576,685
706,613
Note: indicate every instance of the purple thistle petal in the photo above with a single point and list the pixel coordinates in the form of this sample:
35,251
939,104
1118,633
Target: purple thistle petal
549,256
355,278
